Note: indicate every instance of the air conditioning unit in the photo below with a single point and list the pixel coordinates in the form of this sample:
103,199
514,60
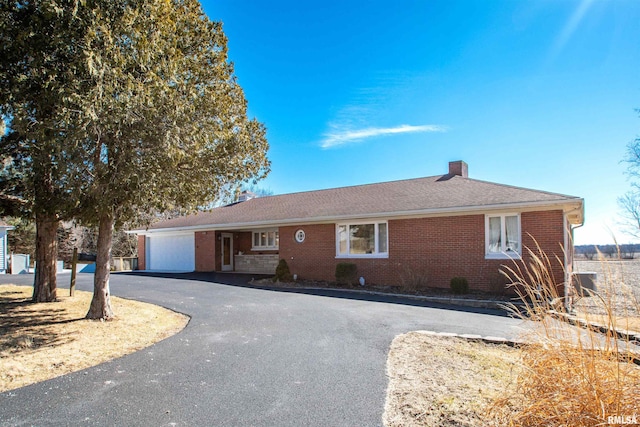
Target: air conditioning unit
584,282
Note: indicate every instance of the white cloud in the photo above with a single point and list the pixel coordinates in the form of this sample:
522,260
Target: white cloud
570,27
337,138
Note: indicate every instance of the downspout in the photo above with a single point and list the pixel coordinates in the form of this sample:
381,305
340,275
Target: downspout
568,305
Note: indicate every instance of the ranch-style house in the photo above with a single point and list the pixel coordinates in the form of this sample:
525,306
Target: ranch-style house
437,227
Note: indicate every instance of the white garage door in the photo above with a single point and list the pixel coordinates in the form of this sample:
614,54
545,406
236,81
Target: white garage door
171,253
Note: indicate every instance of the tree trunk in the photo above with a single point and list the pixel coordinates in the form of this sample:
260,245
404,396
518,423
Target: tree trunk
44,282
101,302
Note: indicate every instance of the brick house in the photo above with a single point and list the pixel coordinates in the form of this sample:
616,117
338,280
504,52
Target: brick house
438,227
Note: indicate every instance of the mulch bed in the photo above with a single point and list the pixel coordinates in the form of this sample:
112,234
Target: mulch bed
427,292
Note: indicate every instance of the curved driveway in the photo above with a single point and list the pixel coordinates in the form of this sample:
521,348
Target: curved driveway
249,357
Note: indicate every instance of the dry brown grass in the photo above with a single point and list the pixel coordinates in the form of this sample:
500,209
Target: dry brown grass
46,340
567,376
569,386
572,376
443,381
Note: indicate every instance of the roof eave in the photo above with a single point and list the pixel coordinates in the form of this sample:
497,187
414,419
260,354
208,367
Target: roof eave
573,207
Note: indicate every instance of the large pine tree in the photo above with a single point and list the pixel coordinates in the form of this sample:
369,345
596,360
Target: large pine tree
40,62
154,119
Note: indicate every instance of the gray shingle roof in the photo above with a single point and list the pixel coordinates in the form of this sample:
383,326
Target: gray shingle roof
436,194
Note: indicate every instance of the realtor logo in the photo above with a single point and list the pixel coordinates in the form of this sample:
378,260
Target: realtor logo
622,419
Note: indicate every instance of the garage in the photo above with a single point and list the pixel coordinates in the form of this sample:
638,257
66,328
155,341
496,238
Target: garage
174,252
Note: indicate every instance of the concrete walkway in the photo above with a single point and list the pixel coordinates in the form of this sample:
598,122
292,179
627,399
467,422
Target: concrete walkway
249,357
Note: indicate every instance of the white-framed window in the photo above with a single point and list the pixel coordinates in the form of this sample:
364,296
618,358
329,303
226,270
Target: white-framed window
263,240
503,238
362,240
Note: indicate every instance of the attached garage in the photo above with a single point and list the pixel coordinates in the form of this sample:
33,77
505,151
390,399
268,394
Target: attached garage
174,252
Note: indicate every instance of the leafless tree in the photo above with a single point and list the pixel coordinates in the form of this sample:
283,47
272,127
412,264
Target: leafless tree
589,252
630,202
630,212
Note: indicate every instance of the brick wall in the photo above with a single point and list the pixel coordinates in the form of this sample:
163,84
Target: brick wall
205,242
435,248
209,247
315,258
142,263
545,231
217,244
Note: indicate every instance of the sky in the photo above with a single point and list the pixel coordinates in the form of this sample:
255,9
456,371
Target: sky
536,94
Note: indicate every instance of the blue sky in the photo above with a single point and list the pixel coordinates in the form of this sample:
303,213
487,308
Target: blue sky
539,94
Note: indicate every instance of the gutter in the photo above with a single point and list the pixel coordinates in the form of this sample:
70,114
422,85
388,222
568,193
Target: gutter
568,206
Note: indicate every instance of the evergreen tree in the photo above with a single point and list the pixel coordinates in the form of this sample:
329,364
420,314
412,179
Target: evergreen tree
148,117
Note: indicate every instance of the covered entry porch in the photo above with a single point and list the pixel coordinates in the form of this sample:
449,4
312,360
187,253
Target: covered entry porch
240,251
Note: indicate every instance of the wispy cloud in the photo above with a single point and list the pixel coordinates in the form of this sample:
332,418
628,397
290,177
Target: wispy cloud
341,137
570,27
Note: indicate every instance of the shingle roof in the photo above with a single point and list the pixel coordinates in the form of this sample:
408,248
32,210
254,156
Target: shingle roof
436,194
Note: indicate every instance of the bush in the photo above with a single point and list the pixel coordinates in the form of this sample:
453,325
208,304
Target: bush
499,285
282,272
346,273
414,279
459,285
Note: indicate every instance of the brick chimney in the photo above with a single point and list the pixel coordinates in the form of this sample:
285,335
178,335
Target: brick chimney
459,168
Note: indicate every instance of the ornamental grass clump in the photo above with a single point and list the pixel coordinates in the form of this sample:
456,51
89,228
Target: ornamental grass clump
571,376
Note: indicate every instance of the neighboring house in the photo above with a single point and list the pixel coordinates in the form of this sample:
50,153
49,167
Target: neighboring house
436,228
4,254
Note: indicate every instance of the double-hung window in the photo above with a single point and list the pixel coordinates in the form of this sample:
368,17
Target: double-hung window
362,240
502,236
265,240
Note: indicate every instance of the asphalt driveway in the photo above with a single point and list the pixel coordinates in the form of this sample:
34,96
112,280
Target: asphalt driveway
249,357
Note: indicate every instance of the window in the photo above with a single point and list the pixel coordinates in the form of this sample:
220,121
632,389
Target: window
362,240
265,240
502,233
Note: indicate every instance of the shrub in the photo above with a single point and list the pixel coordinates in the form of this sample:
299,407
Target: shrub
459,285
499,285
414,279
282,272
346,273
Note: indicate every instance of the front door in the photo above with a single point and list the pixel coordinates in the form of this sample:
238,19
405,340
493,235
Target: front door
227,252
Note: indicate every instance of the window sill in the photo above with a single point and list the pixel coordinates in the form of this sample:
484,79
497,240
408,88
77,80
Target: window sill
264,248
363,256
511,255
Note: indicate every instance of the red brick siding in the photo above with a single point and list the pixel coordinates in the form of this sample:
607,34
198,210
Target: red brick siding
315,258
205,242
217,244
438,248
209,248
243,242
142,265
545,230
441,248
